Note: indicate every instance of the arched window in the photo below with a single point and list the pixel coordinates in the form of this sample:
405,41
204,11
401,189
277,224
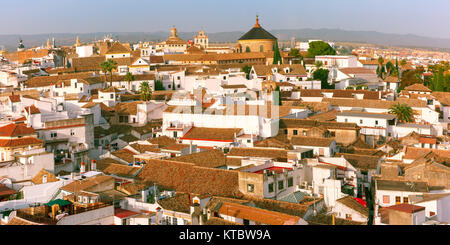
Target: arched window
247,49
261,48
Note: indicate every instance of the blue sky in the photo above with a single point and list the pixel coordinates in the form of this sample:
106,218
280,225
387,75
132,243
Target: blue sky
422,17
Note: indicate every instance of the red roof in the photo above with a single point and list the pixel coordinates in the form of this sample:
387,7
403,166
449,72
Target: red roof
33,109
123,213
20,119
19,142
13,130
14,98
406,208
426,140
6,191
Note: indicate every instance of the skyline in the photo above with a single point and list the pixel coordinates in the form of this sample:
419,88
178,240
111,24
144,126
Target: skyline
214,16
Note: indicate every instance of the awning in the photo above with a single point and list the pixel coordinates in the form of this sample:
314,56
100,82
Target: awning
60,202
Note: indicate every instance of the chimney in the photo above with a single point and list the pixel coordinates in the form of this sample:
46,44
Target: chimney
279,62
83,168
93,165
144,196
290,62
72,176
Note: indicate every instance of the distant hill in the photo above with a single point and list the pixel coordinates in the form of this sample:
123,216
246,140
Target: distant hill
9,42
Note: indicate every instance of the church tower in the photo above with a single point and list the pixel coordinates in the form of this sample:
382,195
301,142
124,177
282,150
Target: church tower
201,40
21,47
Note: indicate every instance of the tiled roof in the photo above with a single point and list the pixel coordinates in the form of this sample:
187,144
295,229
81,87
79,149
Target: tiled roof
211,158
14,98
117,169
88,63
414,152
129,138
308,123
32,109
37,179
214,134
19,221
124,154
127,108
363,162
379,104
177,203
311,141
142,148
393,185
219,221
176,147
274,143
6,191
350,202
43,81
406,208
258,152
20,142
14,130
186,177
418,87
162,141
86,184
356,70
256,214
117,48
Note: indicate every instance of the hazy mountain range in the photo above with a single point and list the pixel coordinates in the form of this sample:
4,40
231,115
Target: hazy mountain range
10,42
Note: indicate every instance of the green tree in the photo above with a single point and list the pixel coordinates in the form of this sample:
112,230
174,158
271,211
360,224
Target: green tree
403,112
129,77
322,75
247,70
276,54
319,48
403,62
381,69
145,91
389,68
438,82
159,85
318,64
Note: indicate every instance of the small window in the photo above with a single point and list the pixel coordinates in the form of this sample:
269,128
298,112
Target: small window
397,200
361,121
295,132
348,216
271,187
405,200
386,199
250,188
111,96
72,132
290,181
285,131
376,122
280,185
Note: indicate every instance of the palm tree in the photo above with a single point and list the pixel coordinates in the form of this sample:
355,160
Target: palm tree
381,69
112,66
403,112
129,77
105,68
146,91
108,66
